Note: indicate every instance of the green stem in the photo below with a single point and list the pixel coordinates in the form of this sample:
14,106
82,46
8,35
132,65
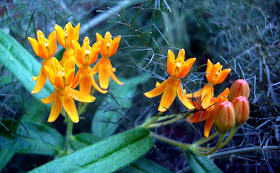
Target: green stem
166,117
204,140
221,138
179,117
234,129
68,134
82,108
181,145
151,120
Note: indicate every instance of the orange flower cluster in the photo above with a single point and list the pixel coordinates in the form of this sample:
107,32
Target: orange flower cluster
62,74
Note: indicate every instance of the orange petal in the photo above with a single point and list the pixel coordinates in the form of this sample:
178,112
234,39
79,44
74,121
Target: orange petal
70,34
93,56
94,84
60,35
76,32
171,66
184,69
157,90
114,46
70,107
206,96
183,98
50,73
34,45
42,51
104,74
223,96
52,44
55,110
98,37
213,72
85,83
207,127
42,78
195,94
107,35
95,69
114,77
198,117
34,78
209,67
181,53
103,47
69,77
222,76
81,56
49,99
77,79
58,81
167,98
80,96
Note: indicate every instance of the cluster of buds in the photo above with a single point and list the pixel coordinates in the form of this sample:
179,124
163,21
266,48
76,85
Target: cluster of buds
234,112
61,74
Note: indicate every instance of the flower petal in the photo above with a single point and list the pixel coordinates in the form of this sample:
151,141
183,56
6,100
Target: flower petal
168,97
80,96
207,95
104,74
114,77
171,66
76,32
52,44
197,117
157,90
55,110
222,76
114,46
95,69
209,67
184,69
183,97
49,99
213,72
34,45
50,73
85,83
42,78
77,79
94,84
195,94
98,37
207,127
70,107
181,53
60,35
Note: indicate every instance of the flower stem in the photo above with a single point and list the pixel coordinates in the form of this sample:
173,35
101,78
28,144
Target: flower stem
179,117
204,140
151,120
221,138
181,145
234,129
68,135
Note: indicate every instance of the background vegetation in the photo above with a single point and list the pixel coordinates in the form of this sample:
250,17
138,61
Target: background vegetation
241,34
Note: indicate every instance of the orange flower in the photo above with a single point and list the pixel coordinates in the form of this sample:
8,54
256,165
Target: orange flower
215,75
65,38
86,56
206,114
108,48
62,79
177,68
44,48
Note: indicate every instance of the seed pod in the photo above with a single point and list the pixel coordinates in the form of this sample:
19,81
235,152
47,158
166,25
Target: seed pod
239,88
224,116
242,109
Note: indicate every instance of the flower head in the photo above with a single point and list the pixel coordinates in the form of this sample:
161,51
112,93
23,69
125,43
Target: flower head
239,88
108,48
207,114
242,109
224,116
86,56
44,48
172,86
214,73
62,79
66,35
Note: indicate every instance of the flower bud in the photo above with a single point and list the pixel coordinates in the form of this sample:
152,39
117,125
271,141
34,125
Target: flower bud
239,88
242,109
224,116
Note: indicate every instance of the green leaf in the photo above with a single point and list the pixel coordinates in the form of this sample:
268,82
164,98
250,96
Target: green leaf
83,140
5,80
22,64
105,122
5,156
30,137
144,165
200,163
108,155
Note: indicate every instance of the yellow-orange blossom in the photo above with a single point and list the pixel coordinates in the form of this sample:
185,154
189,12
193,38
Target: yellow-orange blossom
177,68
62,79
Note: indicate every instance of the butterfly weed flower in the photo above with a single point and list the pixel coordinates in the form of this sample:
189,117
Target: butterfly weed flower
65,37
224,116
44,48
207,114
177,68
242,109
108,48
214,75
239,88
61,77
84,57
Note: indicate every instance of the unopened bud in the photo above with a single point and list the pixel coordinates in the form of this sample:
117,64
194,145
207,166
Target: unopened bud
224,116
239,88
242,109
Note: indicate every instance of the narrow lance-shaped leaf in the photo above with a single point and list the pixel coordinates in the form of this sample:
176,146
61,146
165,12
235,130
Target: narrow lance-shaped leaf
108,155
